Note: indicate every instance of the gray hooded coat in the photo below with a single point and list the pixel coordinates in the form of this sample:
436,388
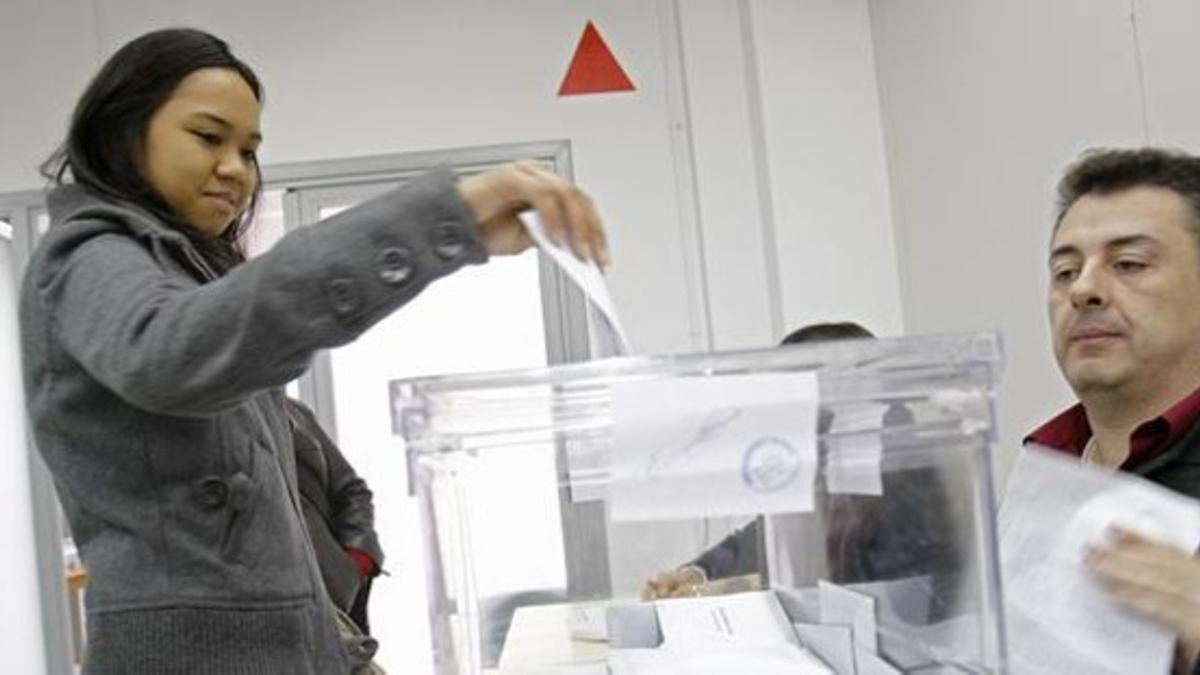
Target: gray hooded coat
154,391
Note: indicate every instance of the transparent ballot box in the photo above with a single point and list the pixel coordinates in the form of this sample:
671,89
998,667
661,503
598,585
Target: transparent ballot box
837,497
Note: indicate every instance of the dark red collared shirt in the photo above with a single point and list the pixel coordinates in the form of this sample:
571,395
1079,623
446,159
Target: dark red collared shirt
1069,431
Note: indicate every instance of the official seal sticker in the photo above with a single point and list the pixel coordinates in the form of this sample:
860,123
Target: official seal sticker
770,464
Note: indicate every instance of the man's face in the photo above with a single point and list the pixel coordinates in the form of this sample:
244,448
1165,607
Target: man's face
1124,295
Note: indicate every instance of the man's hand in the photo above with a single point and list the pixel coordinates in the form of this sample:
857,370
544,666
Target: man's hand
682,582
496,196
1156,580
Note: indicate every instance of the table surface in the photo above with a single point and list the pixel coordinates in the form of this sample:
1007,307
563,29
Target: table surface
540,636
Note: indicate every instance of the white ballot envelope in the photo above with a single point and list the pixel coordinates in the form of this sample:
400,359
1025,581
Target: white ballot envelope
1060,619
585,274
739,633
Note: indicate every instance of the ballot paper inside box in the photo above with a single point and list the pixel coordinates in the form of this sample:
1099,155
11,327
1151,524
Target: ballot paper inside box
548,493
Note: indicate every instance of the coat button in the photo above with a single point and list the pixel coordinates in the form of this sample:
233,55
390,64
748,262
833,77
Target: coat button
450,243
343,295
395,266
240,487
212,492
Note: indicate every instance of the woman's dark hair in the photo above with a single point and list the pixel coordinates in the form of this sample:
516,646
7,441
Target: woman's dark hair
111,119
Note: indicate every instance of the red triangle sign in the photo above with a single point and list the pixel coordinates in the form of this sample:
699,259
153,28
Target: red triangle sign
593,69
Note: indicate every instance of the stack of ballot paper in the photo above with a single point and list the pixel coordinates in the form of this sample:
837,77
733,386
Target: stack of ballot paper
588,623
750,632
846,636
747,632
766,660
1061,621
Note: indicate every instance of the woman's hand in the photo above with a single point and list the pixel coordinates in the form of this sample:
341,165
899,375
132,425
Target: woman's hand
496,196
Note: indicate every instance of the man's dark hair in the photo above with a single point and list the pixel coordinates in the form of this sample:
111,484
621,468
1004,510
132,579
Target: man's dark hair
113,115
1104,171
820,332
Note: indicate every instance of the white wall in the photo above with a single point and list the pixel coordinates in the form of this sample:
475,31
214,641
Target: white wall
1169,56
21,622
746,183
743,182
48,51
791,188
790,163
373,77
984,104
378,76
827,163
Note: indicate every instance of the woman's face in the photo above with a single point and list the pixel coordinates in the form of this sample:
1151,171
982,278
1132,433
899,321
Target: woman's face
200,148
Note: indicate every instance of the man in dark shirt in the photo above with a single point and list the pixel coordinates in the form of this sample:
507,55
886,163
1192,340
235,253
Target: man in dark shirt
1124,304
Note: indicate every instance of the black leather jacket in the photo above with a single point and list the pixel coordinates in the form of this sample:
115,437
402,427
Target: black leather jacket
337,504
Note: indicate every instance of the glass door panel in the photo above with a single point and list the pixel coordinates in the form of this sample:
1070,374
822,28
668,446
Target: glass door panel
485,317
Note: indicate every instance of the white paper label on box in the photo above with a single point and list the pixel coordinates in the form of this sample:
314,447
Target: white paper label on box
693,447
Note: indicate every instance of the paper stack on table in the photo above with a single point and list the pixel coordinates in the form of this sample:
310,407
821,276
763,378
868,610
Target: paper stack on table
766,660
751,633
746,633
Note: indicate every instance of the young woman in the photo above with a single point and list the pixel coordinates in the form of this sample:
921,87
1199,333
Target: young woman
154,357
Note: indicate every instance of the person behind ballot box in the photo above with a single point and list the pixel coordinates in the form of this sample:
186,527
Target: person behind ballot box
1124,309
906,532
155,356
